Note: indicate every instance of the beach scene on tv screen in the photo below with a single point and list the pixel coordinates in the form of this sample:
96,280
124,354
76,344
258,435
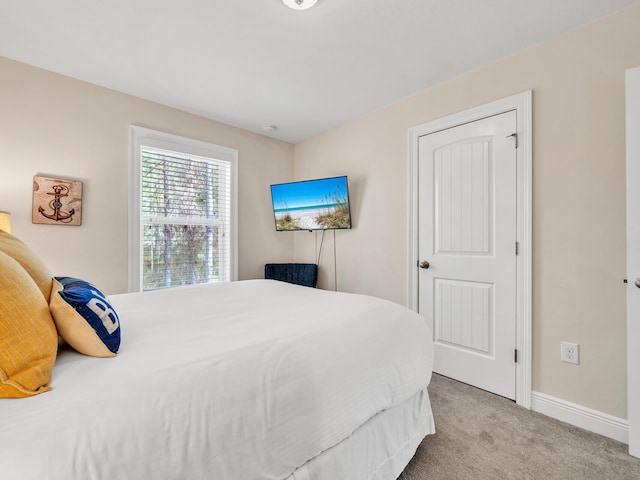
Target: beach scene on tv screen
311,205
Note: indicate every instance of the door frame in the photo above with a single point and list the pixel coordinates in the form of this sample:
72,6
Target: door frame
522,104
632,77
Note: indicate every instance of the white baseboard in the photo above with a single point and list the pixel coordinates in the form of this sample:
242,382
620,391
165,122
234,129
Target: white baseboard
579,416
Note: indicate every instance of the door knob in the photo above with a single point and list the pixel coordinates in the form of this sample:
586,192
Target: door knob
637,282
425,264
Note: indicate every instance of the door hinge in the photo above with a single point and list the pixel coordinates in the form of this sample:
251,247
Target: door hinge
515,136
515,355
517,248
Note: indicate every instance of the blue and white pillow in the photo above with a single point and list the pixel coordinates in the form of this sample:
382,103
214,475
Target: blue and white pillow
84,317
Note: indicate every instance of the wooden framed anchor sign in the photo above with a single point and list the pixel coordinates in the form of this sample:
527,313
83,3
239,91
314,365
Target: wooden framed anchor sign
57,201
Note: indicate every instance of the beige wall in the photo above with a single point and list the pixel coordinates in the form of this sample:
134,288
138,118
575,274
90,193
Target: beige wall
55,125
578,198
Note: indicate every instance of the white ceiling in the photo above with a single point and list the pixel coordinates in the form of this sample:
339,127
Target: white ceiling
255,62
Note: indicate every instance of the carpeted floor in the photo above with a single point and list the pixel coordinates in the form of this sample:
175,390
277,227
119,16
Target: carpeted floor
483,436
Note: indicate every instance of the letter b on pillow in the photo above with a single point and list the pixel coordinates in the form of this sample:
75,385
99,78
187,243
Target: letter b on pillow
84,317
103,310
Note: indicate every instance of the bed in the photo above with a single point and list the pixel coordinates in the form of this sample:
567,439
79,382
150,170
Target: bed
256,379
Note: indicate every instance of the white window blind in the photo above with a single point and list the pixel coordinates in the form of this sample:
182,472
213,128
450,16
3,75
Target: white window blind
185,217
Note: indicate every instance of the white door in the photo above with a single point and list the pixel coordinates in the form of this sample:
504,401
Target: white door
467,237
633,258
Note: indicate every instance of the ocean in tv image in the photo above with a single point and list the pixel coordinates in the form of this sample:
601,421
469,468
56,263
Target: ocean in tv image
312,204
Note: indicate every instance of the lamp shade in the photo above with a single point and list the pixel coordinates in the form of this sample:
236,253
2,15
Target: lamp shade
5,221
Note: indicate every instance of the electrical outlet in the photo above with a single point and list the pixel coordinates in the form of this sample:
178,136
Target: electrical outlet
570,352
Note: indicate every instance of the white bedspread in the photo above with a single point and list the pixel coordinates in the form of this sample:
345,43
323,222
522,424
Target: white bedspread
240,381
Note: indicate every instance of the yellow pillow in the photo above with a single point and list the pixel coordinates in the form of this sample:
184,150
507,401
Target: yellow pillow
28,336
34,266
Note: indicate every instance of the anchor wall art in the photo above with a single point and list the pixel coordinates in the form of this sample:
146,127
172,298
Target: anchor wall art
57,201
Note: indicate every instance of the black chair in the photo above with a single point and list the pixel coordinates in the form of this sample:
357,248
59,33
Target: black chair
299,273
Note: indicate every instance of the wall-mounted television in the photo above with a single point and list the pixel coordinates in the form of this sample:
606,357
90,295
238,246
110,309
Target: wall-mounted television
320,204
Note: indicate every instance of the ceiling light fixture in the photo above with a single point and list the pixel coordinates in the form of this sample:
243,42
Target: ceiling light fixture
299,4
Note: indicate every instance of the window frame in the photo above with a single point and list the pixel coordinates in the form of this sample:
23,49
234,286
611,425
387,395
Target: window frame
145,137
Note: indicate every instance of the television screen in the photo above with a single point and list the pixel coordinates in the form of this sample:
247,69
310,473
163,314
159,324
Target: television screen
312,204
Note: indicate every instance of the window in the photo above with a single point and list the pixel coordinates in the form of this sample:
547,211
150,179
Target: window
182,221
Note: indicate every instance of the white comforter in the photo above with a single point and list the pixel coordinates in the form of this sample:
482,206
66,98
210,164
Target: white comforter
239,381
